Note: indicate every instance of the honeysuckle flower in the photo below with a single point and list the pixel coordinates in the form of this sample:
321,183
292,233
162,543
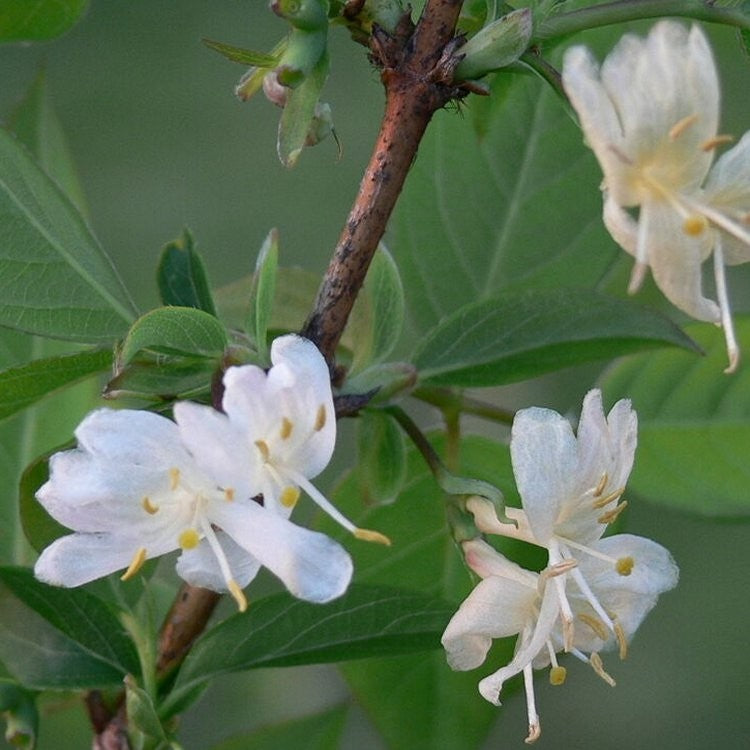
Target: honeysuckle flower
218,486
650,114
510,600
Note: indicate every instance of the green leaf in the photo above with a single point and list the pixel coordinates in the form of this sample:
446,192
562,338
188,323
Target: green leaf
317,732
381,456
500,205
159,379
22,386
241,55
175,330
55,280
282,631
18,708
141,711
379,312
37,126
55,638
520,335
181,276
263,293
298,114
693,425
24,21
416,700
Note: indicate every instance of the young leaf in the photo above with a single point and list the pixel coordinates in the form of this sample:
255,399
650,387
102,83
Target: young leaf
263,293
54,638
282,631
55,280
693,425
181,276
241,55
378,315
141,711
175,330
381,456
22,21
22,386
298,114
163,379
317,732
520,335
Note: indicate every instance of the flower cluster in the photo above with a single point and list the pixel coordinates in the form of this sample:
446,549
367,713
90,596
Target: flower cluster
650,114
217,485
595,591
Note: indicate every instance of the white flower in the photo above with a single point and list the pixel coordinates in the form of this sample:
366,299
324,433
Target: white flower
510,600
595,592
219,486
650,114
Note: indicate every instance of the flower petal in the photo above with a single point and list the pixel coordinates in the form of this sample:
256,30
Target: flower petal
496,608
199,566
544,455
311,565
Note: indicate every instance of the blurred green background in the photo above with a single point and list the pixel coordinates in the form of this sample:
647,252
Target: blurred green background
162,143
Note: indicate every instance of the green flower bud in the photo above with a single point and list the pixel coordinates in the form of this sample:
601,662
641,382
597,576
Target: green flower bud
306,15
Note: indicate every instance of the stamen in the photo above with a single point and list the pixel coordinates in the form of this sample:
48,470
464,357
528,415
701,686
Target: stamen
607,499
286,428
557,675
624,566
560,568
695,225
681,126
149,507
733,349
174,478
262,446
611,515
622,641
368,535
237,594
289,496
717,140
599,628
533,716
596,663
602,484
135,564
229,493
189,539
320,418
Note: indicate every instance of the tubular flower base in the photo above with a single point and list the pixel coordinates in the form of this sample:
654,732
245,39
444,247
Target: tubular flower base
650,114
218,486
595,592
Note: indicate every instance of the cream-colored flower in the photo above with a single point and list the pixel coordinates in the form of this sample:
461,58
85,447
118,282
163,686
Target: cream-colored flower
650,114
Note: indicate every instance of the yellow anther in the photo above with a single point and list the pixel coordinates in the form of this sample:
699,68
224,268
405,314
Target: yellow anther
135,564
368,535
229,493
535,732
237,595
320,418
596,663
289,496
622,641
607,499
624,566
681,126
189,539
595,624
262,446
611,515
148,506
286,428
602,484
694,226
557,675
174,478
718,140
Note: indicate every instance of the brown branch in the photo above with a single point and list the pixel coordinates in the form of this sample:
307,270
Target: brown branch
417,73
